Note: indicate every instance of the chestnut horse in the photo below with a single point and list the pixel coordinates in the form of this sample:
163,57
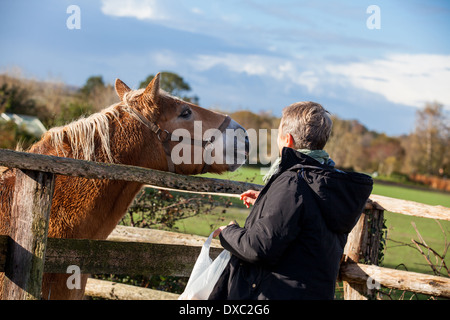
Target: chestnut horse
122,133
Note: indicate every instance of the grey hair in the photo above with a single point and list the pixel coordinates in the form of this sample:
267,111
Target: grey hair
308,123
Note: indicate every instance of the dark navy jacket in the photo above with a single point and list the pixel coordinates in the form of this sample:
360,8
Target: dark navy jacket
294,236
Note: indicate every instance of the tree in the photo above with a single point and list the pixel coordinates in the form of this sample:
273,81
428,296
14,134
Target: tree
386,154
91,84
98,94
14,137
348,144
14,99
173,84
429,152
71,111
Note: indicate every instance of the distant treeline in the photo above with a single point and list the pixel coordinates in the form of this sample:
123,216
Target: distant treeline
352,146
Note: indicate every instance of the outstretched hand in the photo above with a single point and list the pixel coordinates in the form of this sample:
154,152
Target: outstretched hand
249,197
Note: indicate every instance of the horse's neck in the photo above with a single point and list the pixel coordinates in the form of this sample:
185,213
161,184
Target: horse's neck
130,146
108,202
102,203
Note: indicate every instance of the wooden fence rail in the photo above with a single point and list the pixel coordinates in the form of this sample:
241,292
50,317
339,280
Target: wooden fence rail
138,251
117,257
396,279
97,170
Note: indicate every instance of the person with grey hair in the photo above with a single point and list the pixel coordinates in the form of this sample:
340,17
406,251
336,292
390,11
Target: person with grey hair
294,237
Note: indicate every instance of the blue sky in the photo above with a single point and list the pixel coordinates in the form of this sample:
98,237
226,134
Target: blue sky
255,55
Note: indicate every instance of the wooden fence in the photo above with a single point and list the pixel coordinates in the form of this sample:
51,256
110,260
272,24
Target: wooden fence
27,253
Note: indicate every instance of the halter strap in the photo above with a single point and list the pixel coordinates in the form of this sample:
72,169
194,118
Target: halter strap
165,137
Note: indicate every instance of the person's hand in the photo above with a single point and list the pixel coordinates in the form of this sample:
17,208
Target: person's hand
249,197
219,230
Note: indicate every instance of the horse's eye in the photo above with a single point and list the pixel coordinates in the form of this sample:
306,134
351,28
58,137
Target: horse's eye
186,113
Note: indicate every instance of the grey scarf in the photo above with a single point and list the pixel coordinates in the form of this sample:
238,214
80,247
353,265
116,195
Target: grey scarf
319,155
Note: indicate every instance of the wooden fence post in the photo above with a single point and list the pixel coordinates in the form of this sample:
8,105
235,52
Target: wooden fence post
363,246
28,239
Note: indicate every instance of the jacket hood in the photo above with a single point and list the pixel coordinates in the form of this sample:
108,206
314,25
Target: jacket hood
341,195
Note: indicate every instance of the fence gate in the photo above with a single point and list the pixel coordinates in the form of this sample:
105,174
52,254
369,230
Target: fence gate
25,252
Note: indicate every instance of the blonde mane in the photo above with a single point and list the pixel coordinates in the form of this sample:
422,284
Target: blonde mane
81,133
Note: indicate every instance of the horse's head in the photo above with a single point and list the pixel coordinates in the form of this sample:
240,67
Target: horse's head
190,139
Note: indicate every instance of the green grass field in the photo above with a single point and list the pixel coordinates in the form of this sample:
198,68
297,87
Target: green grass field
204,225
399,228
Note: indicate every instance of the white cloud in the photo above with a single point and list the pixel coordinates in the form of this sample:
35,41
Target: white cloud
176,14
401,78
309,79
220,20
197,11
250,64
277,68
140,9
406,79
165,59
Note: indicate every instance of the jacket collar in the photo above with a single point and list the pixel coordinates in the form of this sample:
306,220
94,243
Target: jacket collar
292,159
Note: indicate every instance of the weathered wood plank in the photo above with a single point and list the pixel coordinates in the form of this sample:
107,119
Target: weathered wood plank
124,233
362,246
118,257
97,170
3,251
59,263
412,208
119,291
397,279
352,251
30,214
94,170
127,234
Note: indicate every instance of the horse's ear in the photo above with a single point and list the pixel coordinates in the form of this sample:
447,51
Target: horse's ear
121,88
152,90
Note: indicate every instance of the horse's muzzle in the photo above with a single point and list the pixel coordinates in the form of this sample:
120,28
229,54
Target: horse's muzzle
237,145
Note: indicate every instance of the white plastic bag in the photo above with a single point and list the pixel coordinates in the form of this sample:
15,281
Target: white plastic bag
205,273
